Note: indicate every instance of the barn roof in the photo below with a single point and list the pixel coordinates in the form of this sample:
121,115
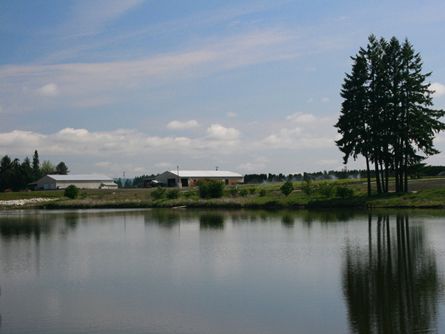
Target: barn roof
205,173
80,177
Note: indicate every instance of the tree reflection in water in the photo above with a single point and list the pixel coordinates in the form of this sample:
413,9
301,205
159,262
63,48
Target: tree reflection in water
392,285
212,221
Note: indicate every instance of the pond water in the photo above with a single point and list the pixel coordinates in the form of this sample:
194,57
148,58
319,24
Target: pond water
195,271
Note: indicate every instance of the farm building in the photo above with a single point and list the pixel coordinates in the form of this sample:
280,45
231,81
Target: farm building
189,178
87,181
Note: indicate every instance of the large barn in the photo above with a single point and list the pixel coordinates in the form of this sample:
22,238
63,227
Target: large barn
84,181
189,178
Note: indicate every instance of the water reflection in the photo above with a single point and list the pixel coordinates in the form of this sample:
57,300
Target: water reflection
328,216
24,227
392,284
211,221
164,218
287,220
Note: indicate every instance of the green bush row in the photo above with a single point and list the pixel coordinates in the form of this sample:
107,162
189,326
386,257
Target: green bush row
326,189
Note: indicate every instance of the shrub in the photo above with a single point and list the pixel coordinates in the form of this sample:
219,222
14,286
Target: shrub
210,189
189,194
234,191
252,191
173,194
307,187
326,189
287,188
158,193
243,192
263,192
71,191
344,192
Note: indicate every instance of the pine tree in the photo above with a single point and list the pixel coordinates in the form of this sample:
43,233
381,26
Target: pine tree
353,123
36,166
26,172
420,123
386,112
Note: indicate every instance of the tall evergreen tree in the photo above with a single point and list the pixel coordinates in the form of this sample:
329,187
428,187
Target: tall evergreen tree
386,112
9,174
353,123
36,166
26,172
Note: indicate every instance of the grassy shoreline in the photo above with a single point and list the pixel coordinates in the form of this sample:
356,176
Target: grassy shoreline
428,193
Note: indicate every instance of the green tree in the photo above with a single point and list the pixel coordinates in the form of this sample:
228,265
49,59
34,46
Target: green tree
386,113
354,123
210,188
7,167
71,191
287,188
62,168
36,166
47,168
420,123
27,172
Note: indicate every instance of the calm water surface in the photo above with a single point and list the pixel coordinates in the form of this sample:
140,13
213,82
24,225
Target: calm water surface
181,271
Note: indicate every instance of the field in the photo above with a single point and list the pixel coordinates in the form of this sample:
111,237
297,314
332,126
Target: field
425,193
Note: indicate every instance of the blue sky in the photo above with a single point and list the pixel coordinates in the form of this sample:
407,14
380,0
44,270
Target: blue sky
142,86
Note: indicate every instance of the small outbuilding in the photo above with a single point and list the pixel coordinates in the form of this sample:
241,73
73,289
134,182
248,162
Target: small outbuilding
82,181
189,178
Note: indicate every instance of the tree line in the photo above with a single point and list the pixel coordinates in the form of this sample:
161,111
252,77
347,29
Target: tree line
16,175
386,114
415,171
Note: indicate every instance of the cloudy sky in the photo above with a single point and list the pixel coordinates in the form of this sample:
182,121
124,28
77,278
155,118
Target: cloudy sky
142,85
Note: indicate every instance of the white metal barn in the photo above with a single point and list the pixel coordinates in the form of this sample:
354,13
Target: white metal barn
189,178
83,181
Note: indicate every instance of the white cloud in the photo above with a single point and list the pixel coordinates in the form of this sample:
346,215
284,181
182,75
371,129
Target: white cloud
296,139
219,132
302,118
304,131
182,125
123,142
438,88
231,114
89,17
103,164
330,162
163,164
17,139
49,90
97,82
256,165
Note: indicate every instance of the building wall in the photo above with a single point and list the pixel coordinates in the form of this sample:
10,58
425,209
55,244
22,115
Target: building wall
79,184
165,177
170,179
227,181
47,183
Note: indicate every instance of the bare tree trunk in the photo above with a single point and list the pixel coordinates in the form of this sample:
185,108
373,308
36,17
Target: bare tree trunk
368,175
377,177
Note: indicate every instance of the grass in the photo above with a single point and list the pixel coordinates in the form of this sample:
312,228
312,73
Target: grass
429,193
9,196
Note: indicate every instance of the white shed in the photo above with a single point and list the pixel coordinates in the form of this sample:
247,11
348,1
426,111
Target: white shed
83,181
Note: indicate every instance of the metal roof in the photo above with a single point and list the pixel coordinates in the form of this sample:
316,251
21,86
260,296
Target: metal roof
205,173
80,177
